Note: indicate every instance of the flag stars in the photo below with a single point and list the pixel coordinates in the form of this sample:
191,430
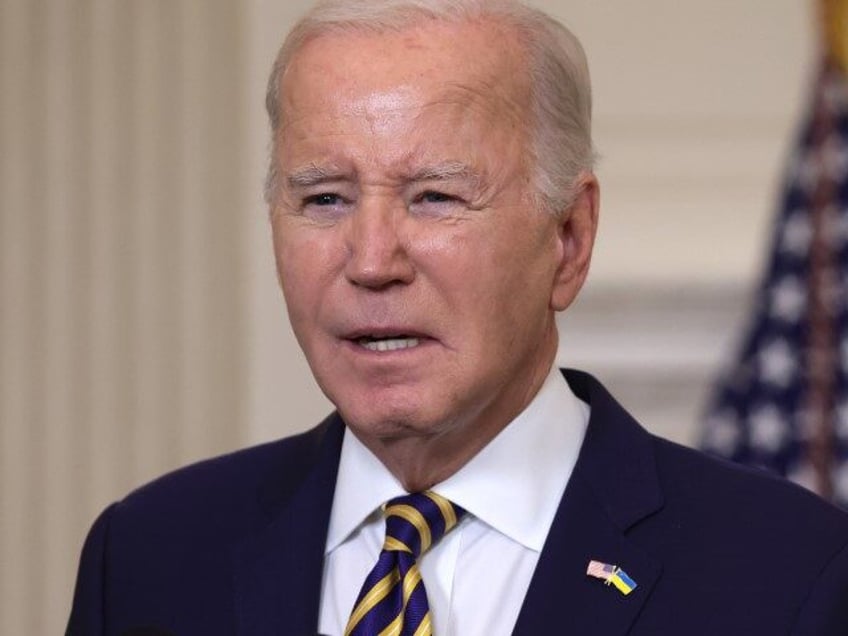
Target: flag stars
777,364
806,170
797,234
721,434
768,428
788,299
770,414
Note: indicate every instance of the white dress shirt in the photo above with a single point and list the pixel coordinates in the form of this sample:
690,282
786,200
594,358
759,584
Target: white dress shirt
478,574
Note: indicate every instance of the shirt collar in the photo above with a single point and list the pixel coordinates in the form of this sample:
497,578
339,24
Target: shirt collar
363,484
514,484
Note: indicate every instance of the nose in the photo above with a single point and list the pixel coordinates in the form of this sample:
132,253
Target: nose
378,255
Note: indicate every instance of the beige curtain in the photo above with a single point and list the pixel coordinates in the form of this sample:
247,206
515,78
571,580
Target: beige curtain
120,268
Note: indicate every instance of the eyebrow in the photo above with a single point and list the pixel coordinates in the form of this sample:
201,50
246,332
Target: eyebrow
313,175
445,171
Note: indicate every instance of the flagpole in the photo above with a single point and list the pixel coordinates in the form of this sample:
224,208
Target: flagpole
833,29
824,286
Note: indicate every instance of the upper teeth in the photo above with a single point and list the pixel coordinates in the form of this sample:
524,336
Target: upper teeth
388,344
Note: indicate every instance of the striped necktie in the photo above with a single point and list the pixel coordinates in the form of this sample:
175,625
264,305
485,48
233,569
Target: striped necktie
393,601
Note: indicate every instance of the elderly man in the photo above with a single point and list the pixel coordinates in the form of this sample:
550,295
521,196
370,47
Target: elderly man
433,206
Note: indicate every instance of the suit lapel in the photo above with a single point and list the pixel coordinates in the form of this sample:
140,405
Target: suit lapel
278,571
613,487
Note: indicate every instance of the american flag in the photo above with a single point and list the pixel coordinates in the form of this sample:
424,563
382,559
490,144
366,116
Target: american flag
783,406
600,570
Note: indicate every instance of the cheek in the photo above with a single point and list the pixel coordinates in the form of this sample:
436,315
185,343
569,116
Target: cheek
453,265
304,262
492,261
511,281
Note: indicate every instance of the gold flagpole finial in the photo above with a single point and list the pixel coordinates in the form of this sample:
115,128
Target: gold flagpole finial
833,20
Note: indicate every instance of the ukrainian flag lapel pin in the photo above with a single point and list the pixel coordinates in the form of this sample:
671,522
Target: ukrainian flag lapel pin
611,575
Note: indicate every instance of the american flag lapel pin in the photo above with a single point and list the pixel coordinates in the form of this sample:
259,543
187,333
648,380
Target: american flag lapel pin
611,575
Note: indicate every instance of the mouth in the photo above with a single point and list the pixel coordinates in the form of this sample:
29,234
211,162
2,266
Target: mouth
387,343
384,339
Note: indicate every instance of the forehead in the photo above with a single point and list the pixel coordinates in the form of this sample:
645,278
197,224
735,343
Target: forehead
478,64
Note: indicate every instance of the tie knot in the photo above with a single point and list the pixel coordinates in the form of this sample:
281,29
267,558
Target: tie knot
417,521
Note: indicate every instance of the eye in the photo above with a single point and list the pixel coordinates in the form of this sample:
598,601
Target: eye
432,196
325,207
436,204
323,199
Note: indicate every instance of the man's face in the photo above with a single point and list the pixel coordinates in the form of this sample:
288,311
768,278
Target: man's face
419,278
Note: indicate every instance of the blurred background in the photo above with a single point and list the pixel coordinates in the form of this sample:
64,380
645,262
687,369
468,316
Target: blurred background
140,323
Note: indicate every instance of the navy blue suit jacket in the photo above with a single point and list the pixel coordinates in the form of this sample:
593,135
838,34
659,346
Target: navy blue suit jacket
235,545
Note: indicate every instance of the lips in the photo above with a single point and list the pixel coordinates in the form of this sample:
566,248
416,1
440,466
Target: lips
388,344
386,339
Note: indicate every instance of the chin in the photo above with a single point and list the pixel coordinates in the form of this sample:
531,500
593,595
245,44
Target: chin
374,404
391,423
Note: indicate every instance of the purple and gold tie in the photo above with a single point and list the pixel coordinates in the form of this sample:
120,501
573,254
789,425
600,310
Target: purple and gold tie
392,601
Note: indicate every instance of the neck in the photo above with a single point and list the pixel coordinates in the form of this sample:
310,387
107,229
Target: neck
421,461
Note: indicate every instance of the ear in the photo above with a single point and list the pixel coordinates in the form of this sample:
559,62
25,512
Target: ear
576,230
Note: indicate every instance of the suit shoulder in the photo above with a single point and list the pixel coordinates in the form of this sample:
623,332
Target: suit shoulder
764,549
696,489
227,480
167,550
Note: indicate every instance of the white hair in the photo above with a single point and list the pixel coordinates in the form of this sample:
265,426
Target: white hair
561,101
